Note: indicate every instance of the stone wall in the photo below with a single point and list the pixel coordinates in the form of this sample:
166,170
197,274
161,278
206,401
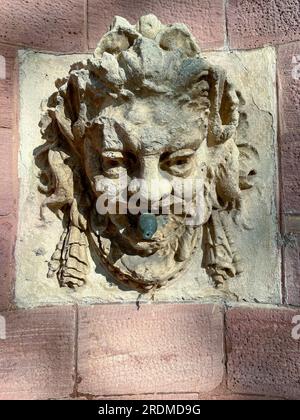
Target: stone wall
182,350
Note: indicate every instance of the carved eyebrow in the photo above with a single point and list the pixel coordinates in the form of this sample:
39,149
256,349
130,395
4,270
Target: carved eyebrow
122,139
112,154
181,153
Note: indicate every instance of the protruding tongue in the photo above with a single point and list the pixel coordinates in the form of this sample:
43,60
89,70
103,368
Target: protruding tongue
147,225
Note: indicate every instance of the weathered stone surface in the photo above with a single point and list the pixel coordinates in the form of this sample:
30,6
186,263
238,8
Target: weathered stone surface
7,239
292,269
157,349
37,357
291,223
253,73
204,18
5,104
176,397
157,397
236,397
289,106
263,358
9,54
7,172
47,25
289,86
122,106
255,24
291,252
290,158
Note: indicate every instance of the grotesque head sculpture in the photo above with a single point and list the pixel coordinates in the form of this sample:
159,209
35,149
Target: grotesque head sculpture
150,111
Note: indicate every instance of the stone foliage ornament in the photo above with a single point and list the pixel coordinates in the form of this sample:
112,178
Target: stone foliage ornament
147,105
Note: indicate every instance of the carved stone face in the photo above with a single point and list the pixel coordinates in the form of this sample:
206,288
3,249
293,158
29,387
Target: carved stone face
156,152
145,142
150,110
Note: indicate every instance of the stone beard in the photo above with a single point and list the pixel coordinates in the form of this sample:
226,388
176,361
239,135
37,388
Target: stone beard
150,108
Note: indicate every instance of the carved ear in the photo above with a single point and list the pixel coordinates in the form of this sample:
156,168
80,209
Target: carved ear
224,112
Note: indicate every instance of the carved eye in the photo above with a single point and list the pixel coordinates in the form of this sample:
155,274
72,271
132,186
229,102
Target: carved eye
177,163
180,161
112,163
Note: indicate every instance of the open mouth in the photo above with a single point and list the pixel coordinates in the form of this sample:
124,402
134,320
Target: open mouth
146,230
145,223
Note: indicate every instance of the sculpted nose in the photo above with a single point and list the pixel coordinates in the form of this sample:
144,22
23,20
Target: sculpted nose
151,185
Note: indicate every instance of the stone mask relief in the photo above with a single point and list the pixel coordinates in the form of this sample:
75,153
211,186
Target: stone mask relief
147,108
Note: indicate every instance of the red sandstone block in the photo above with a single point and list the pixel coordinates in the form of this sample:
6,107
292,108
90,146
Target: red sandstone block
292,270
37,357
236,397
205,18
7,236
291,223
48,25
252,24
5,104
157,397
289,86
290,179
162,348
263,357
176,397
7,172
289,111
9,53
7,57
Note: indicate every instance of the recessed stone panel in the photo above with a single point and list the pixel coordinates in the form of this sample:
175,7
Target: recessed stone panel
235,255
